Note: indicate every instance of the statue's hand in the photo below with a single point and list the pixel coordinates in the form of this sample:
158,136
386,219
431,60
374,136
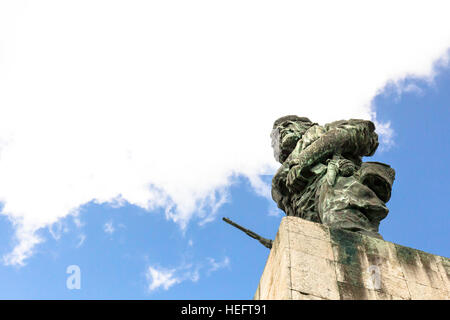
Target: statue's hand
295,182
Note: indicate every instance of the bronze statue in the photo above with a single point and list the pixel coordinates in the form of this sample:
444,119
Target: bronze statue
323,178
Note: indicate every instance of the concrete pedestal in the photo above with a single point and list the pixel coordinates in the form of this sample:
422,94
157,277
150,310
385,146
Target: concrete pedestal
309,261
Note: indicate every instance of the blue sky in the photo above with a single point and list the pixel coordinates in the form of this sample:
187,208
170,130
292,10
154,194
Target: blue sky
124,139
113,265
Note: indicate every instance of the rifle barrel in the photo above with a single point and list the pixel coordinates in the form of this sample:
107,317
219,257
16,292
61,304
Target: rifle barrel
265,242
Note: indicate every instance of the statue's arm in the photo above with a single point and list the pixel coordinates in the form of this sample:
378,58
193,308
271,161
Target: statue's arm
355,137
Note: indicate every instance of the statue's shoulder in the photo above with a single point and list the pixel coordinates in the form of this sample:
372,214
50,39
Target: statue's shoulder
351,123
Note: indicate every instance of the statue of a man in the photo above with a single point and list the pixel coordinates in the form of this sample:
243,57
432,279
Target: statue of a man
323,178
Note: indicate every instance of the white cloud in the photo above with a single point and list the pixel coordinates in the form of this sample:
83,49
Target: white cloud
386,135
162,103
413,88
26,238
274,211
77,221
108,227
216,265
260,187
57,229
82,238
212,203
158,277
161,278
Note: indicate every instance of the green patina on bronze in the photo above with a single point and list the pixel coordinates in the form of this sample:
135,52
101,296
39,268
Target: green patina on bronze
323,178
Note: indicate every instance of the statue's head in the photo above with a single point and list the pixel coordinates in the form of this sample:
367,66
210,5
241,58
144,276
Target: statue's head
285,134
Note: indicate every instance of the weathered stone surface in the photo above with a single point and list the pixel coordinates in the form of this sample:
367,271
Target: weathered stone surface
309,261
420,267
443,265
275,283
382,254
349,292
311,246
313,275
308,228
422,292
297,295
